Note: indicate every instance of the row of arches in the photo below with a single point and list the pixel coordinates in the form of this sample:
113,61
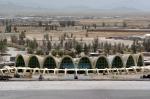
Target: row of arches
101,62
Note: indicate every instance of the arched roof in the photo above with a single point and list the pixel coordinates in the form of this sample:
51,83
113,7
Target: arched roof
125,58
25,58
102,56
88,59
112,57
39,58
137,56
50,56
66,56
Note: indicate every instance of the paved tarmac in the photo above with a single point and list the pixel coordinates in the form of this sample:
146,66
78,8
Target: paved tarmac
76,94
75,90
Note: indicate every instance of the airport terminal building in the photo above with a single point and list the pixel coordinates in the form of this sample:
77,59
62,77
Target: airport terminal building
84,62
112,64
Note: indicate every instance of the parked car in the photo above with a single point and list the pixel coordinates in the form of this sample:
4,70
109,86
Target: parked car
5,78
146,76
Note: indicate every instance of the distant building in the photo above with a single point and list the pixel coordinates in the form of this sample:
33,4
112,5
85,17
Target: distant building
146,36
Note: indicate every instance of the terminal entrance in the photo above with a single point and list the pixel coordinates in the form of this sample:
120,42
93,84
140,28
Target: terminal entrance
117,62
84,63
66,62
130,62
20,61
49,63
140,61
102,63
33,62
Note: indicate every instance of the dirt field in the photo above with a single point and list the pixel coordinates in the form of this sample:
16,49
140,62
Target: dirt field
37,32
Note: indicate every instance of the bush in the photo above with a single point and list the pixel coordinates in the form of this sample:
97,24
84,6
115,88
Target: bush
30,51
39,52
54,52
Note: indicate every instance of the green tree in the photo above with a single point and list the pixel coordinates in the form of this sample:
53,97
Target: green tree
60,53
86,49
22,36
54,52
35,44
114,50
95,44
46,27
103,24
70,53
3,46
106,48
15,29
120,48
86,34
30,51
134,46
8,27
32,45
49,45
14,39
46,37
78,48
124,24
146,44
39,52
40,23
94,25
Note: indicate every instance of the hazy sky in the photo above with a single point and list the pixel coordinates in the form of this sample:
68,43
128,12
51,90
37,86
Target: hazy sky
96,4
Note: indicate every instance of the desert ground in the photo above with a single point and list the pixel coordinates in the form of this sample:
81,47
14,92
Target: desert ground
132,23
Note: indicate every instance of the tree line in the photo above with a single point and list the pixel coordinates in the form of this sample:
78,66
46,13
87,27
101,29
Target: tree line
69,45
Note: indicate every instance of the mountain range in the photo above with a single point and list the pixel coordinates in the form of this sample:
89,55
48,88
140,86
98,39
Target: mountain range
10,8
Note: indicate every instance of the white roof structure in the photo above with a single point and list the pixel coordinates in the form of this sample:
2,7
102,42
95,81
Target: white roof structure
121,62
